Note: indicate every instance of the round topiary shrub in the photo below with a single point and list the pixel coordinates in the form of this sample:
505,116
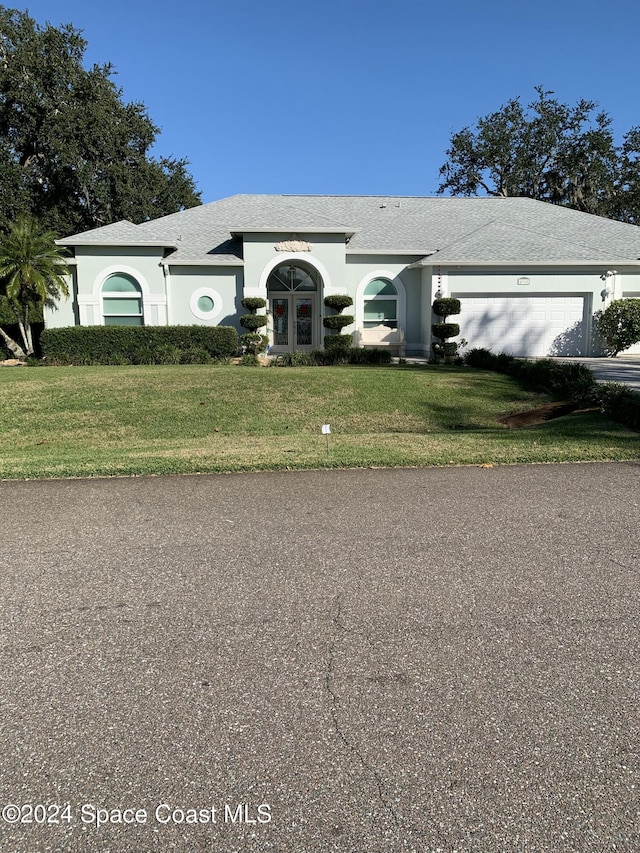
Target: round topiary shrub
619,324
445,330
445,306
338,301
253,322
337,321
252,303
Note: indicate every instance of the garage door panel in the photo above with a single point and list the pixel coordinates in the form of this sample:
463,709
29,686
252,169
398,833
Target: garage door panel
524,325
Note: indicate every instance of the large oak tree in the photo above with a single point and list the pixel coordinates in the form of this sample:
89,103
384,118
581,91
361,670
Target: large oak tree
72,152
549,151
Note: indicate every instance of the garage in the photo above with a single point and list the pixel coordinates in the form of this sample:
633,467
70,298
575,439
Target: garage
541,325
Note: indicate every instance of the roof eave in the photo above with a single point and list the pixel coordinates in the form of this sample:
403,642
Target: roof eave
238,231
434,261
131,244
204,262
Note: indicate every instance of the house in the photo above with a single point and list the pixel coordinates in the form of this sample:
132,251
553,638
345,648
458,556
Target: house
529,275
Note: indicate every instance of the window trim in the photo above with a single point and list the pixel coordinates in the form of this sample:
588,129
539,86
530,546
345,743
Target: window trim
399,297
212,294
106,295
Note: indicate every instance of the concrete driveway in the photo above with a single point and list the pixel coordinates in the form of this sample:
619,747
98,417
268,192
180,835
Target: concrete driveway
623,368
376,661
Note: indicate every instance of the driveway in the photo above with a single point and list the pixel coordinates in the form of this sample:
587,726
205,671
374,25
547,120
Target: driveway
623,368
376,661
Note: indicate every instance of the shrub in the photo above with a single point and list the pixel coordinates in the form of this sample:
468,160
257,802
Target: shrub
618,401
445,330
252,303
480,357
619,324
253,343
249,359
293,359
338,342
446,348
375,355
195,355
444,307
253,322
134,344
329,357
338,301
337,321
166,354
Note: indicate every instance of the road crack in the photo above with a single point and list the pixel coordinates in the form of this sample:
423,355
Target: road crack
334,702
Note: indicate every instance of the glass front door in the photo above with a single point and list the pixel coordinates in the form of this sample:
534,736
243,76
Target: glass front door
293,322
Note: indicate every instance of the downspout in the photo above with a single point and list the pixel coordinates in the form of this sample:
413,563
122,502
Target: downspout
167,292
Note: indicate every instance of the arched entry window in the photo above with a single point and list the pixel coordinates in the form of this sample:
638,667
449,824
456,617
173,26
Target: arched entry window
122,301
380,304
293,290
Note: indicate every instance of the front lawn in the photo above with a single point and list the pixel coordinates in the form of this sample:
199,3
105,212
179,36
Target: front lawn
93,421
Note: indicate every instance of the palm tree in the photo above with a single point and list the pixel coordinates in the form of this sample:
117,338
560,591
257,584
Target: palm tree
32,270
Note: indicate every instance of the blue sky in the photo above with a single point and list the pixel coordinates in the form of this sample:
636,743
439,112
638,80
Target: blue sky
347,96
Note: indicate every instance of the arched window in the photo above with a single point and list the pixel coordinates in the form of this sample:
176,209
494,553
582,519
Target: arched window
122,301
380,304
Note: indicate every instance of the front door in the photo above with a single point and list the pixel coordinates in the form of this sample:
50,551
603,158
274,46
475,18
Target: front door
293,322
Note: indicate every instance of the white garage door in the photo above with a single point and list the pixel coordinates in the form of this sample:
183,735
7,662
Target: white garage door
524,325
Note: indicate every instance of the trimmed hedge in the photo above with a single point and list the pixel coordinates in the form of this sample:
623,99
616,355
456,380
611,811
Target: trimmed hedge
564,381
137,344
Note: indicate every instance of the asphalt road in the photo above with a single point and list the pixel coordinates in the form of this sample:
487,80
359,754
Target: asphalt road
377,661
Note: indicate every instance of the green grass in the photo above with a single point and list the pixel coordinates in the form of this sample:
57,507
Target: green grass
93,421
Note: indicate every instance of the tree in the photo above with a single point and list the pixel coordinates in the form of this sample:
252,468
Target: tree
32,271
71,151
619,324
549,151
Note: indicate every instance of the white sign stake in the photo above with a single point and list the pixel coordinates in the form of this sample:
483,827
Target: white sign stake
326,430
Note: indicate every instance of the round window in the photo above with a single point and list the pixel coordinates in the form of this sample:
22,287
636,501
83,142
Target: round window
205,304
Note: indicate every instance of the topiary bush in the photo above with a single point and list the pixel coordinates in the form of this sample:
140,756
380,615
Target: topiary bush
135,344
253,343
338,301
338,342
252,303
445,330
619,324
446,306
337,321
253,322
443,349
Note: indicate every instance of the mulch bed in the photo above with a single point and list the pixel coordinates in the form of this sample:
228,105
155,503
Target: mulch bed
544,413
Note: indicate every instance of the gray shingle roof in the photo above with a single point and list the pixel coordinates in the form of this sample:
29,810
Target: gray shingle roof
448,230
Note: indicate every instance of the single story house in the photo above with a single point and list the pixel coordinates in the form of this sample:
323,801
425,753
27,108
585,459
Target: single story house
529,275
